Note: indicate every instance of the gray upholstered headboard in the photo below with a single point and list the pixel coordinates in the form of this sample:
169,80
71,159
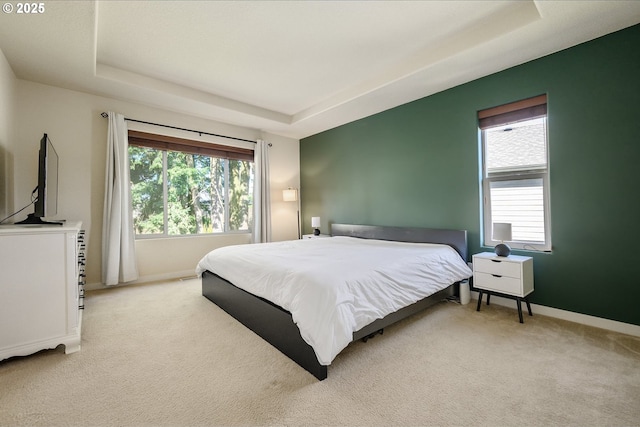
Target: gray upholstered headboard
457,239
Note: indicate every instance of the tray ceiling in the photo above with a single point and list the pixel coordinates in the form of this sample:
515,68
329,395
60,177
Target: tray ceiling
292,68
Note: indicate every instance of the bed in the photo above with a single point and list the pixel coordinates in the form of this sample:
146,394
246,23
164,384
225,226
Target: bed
285,291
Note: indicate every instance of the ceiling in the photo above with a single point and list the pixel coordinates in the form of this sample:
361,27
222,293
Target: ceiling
293,68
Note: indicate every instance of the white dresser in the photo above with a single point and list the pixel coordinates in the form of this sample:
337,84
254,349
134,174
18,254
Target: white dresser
510,277
41,269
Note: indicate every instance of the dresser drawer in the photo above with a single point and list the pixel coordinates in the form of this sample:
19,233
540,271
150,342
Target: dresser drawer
501,268
503,284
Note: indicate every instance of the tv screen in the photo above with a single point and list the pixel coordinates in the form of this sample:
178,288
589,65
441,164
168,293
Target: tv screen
46,203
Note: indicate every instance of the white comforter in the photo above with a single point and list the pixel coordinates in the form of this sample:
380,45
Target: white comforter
335,286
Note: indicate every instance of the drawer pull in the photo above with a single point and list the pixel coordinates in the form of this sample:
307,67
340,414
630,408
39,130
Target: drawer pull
495,260
496,275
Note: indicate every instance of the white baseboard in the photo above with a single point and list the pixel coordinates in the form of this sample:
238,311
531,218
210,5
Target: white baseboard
598,322
146,279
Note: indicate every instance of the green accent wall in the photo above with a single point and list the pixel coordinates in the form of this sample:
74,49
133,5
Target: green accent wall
418,165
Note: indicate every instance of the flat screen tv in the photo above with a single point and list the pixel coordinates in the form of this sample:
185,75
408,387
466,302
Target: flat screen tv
46,202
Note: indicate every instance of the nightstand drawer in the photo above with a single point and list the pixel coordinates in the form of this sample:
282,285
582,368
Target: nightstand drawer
501,268
503,284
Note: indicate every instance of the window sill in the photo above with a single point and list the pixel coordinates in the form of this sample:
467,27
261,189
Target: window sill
519,249
186,236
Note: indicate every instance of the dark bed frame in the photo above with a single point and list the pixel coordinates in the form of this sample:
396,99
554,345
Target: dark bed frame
275,325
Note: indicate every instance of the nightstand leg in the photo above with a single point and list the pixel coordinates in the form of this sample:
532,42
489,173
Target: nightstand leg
519,310
488,297
526,299
479,299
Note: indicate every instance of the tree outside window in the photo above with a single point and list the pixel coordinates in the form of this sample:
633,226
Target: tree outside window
177,193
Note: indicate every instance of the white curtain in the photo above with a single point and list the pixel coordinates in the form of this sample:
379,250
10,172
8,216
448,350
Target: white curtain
261,196
118,238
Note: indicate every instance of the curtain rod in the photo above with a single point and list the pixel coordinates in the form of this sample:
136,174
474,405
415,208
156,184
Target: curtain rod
106,115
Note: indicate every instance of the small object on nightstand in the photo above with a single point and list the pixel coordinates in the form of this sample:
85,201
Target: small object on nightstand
502,232
509,277
502,250
315,223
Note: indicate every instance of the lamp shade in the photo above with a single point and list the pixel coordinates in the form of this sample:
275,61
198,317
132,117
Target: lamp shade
502,231
290,195
315,221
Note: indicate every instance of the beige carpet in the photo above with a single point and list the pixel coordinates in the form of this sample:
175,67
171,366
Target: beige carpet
161,354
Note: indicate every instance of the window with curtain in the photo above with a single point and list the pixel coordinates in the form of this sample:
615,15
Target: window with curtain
183,187
515,172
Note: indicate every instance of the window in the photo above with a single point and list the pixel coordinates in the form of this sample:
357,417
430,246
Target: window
515,172
182,187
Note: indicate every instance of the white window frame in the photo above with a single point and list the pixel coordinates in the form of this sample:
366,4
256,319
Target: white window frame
515,175
488,220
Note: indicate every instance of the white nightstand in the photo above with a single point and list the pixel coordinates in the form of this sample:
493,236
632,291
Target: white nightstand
510,277
312,236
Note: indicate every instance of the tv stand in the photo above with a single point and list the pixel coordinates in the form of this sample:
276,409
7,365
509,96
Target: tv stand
32,219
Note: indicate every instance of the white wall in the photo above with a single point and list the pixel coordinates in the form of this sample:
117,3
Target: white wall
285,172
7,107
73,122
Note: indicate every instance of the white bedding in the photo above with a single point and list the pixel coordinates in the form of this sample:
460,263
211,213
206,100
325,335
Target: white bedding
335,286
